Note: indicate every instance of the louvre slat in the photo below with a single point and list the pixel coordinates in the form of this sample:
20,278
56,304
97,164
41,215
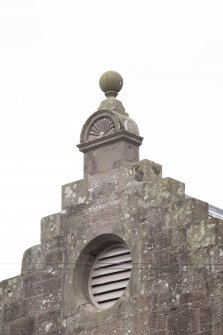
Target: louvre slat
112,269
114,251
114,260
111,278
107,304
109,295
109,287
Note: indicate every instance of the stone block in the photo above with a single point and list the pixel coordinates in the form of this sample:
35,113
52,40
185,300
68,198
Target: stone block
36,276
105,158
219,230
1,316
42,287
201,234
50,321
163,239
14,311
25,326
214,282
56,243
218,328
130,174
164,190
74,193
182,213
32,259
206,318
216,258
43,303
51,227
184,323
4,329
11,290
200,258
54,261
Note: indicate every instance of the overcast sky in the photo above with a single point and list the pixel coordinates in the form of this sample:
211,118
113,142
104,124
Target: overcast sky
52,53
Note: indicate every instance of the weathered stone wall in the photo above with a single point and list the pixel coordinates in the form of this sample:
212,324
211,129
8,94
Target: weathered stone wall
176,281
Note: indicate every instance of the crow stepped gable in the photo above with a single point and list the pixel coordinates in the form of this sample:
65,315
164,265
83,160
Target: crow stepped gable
128,253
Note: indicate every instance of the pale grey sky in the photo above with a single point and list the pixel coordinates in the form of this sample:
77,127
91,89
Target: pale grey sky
52,54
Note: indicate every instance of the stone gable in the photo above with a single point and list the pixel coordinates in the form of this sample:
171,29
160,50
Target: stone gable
176,247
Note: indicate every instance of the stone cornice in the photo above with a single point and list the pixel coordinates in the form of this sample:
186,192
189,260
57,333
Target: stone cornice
112,138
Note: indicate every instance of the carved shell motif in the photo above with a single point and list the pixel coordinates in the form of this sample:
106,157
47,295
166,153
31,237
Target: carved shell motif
101,127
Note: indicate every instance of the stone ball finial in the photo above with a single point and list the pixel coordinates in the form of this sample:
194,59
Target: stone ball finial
111,83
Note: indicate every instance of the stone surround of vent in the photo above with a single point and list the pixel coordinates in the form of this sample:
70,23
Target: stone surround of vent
110,275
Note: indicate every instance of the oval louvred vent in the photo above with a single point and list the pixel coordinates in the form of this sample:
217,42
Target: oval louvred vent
110,275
